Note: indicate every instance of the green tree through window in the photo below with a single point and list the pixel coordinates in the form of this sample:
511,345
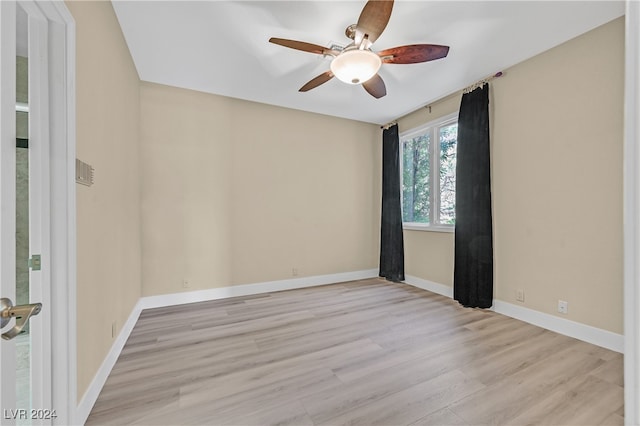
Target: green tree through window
428,160
415,178
448,143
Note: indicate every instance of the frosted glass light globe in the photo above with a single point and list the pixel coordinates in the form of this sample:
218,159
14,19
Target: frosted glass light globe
355,66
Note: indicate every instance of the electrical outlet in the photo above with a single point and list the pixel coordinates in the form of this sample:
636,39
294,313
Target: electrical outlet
520,295
563,307
294,272
185,283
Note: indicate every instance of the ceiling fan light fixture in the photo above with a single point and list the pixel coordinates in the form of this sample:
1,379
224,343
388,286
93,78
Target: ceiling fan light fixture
355,66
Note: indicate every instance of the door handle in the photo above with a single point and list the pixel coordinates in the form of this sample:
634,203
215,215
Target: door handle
21,313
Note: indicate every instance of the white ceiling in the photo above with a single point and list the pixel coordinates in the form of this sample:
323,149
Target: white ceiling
222,47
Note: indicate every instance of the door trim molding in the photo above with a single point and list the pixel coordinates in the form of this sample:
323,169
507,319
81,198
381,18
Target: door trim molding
631,214
62,206
7,188
39,202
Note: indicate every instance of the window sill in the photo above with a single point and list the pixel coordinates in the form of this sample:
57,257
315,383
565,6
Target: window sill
428,228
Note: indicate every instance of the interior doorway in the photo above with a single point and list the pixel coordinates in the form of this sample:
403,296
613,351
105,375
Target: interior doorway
37,218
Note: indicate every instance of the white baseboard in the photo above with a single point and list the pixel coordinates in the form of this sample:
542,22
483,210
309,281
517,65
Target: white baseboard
91,395
431,286
249,289
93,391
586,333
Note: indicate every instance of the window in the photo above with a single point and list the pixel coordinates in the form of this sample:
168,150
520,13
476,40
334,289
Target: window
428,175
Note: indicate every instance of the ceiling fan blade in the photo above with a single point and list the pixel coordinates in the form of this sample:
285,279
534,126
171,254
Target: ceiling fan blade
413,53
375,86
373,20
301,45
321,79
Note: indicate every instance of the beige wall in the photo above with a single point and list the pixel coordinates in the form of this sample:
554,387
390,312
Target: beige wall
557,182
558,122
237,192
108,213
302,194
186,147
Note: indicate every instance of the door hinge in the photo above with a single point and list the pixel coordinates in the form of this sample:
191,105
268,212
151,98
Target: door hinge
35,262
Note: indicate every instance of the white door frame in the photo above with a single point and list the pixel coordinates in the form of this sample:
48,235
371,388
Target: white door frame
632,215
7,182
56,163
39,201
62,208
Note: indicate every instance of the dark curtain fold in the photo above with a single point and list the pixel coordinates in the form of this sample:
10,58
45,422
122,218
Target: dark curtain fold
391,243
473,270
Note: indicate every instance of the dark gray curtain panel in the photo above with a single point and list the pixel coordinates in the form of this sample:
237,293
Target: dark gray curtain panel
391,242
473,268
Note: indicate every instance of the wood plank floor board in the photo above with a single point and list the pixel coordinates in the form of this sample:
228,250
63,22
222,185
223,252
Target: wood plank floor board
504,363
174,364
262,394
612,371
565,405
263,375
410,404
201,367
361,304
313,328
250,326
294,415
441,353
185,337
340,400
361,352
434,338
446,342
362,366
443,416
129,409
495,407
257,381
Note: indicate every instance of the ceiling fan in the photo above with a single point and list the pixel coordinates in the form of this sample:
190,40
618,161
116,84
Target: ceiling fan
357,63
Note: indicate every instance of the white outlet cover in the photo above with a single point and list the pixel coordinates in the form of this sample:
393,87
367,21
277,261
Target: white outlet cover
563,306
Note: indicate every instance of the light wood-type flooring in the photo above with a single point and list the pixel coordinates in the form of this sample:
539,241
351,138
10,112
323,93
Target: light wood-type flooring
364,352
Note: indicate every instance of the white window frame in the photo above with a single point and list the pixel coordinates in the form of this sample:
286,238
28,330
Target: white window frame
432,127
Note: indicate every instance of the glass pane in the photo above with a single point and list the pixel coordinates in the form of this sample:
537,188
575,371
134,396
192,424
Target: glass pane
415,179
448,140
23,341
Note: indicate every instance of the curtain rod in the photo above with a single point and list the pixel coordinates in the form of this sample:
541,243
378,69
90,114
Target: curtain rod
467,89
481,83
386,126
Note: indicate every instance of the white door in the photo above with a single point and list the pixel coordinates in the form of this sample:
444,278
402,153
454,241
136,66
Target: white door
25,346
